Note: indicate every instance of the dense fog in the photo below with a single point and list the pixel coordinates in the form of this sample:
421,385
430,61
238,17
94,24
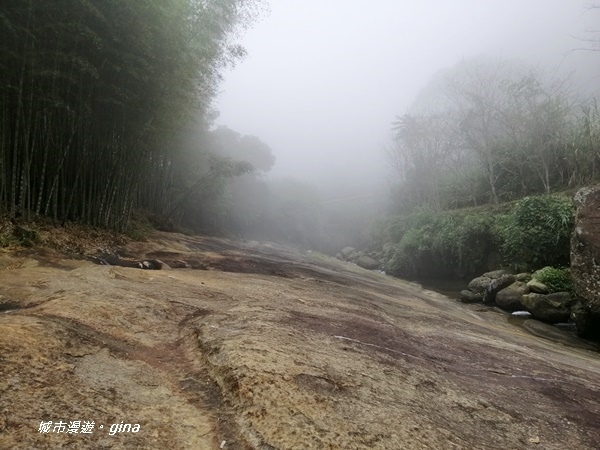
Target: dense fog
297,121
323,81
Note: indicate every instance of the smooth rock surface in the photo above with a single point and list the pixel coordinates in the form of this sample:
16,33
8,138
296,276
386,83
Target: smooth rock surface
537,286
551,308
509,298
585,258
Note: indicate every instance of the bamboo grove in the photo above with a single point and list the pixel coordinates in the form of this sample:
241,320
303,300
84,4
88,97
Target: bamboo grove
91,93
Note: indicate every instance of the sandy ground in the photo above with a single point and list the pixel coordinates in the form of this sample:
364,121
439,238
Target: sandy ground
256,346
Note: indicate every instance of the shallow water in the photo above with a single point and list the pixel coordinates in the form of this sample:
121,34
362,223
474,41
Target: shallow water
566,333
449,287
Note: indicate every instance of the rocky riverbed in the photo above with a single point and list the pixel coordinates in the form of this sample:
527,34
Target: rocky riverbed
256,346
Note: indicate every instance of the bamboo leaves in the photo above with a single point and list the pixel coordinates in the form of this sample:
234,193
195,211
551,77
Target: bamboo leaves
90,91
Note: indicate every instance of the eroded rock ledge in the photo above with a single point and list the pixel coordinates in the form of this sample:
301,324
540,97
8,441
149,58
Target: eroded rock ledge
585,260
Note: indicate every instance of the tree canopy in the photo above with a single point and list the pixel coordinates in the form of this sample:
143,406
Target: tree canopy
92,92
492,131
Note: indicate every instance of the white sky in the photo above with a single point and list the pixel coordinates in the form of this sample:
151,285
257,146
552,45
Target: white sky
324,79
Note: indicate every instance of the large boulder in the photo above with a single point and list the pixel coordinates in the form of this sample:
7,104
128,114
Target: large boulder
582,318
497,285
585,259
467,296
347,252
485,287
551,308
479,285
494,274
524,276
366,262
509,298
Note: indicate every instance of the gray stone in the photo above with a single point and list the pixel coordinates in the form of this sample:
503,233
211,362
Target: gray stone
537,287
467,296
494,274
163,265
521,314
585,259
496,285
479,285
366,262
583,319
179,264
524,276
347,251
551,308
509,298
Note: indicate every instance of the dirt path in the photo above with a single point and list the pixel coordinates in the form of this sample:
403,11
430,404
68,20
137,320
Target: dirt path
270,349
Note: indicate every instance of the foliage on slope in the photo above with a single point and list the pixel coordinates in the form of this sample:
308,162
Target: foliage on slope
529,234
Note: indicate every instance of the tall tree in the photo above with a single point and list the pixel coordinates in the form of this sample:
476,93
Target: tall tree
91,91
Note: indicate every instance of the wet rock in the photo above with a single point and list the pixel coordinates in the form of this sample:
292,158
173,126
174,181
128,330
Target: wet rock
537,286
586,324
467,296
151,264
366,262
524,276
179,264
509,298
551,308
347,252
521,314
494,274
555,334
496,285
585,260
479,285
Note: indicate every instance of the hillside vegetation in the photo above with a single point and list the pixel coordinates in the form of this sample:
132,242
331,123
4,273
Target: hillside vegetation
479,158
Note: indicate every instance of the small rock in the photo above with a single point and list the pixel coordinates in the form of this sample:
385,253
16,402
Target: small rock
151,264
178,264
521,314
584,320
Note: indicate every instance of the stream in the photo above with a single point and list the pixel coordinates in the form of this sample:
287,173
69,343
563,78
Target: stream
565,333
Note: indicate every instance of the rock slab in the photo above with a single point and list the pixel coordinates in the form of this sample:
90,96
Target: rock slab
585,259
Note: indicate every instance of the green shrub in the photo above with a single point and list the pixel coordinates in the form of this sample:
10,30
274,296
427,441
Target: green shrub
534,233
27,237
437,243
537,232
556,280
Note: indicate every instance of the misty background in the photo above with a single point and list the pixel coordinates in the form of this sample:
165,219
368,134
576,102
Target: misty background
319,124
323,81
